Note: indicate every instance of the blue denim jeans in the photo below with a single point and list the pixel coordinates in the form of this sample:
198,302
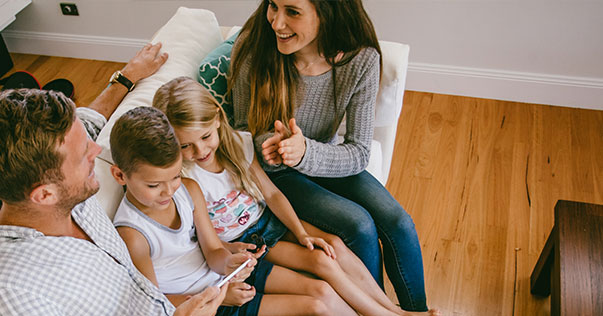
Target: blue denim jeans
360,210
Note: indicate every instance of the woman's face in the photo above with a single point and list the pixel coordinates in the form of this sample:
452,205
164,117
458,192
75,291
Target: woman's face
295,24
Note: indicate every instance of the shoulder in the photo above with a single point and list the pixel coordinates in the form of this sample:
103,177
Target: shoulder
366,57
193,192
192,187
246,144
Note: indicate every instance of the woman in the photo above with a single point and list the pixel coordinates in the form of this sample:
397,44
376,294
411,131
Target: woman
298,67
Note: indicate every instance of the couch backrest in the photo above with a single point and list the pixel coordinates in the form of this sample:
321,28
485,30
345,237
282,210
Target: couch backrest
188,37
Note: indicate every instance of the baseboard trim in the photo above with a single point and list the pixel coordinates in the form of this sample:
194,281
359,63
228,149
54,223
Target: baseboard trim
578,92
71,45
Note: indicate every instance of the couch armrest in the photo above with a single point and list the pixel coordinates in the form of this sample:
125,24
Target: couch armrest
389,100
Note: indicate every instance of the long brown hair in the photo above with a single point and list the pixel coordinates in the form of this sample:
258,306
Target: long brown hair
345,27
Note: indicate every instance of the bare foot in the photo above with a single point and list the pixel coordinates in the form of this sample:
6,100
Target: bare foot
431,312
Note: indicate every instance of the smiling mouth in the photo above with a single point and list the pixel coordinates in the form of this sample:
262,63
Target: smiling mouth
204,158
284,36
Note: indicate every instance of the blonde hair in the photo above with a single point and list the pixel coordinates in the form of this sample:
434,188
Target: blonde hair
188,105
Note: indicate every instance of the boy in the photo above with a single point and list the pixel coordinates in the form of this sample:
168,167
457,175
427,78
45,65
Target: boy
163,219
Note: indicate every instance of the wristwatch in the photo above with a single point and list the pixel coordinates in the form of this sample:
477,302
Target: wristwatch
119,77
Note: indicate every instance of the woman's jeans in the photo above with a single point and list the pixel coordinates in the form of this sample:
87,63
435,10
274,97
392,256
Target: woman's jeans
360,211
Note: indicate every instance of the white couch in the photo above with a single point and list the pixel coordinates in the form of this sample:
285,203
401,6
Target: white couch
189,36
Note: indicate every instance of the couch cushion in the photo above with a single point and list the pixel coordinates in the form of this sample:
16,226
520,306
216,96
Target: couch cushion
213,72
187,37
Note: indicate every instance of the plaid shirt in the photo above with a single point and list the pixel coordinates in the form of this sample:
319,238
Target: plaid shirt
46,275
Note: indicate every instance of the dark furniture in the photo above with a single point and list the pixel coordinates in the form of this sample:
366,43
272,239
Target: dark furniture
570,267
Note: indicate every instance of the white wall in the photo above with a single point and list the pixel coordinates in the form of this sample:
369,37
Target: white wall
536,51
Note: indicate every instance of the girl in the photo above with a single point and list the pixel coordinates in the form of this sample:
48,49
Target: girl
306,64
165,225
241,198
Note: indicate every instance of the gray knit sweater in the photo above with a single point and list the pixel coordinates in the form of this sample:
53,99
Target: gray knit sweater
357,86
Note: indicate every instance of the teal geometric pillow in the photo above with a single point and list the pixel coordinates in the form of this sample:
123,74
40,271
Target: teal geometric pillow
213,71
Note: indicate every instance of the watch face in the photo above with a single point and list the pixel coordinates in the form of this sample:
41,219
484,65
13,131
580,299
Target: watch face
114,77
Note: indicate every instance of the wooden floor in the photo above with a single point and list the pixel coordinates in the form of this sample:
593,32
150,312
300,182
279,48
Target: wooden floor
480,178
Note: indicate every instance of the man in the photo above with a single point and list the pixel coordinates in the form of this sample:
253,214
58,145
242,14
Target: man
59,252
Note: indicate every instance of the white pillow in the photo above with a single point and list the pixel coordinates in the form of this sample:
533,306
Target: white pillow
187,38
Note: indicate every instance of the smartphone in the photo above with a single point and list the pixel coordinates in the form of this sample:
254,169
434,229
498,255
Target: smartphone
231,275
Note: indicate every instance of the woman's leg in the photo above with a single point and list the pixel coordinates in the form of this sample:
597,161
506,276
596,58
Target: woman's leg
401,248
333,214
287,292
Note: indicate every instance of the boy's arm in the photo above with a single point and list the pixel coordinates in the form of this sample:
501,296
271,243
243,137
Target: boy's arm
218,258
280,206
139,250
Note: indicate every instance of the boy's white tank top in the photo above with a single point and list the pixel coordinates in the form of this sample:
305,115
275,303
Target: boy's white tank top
178,261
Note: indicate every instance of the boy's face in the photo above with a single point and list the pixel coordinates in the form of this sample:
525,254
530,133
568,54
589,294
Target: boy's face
150,187
200,145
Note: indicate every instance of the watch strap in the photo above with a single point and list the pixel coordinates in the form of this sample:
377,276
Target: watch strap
119,77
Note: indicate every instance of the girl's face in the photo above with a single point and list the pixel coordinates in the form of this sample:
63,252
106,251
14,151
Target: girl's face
200,145
151,187
295,24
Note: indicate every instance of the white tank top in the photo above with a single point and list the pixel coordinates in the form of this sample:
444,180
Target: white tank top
231,211
178,261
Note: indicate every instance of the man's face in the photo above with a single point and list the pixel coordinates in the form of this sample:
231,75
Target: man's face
79,181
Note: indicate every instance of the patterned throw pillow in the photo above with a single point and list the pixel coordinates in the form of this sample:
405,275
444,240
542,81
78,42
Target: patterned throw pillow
213,71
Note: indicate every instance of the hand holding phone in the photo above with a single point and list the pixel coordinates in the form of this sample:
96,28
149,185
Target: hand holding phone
233,273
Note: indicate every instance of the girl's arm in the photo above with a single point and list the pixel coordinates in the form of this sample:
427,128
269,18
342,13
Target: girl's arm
280,206
218,258
139,249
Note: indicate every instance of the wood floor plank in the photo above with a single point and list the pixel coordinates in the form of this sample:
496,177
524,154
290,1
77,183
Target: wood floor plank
479,177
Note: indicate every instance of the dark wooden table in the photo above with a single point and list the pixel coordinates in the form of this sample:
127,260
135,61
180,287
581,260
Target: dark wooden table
570,267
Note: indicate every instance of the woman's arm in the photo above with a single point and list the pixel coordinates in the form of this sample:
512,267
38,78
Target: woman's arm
323,159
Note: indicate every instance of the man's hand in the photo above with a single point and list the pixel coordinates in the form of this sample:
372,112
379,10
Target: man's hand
270,145
146,62
205,303
238,294
292,149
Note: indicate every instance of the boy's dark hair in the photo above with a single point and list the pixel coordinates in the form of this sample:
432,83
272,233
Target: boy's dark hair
143,135
33,124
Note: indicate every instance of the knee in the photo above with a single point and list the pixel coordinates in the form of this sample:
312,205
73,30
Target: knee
362,230
322,293
338,245
401,222
335,241
321,264
316,307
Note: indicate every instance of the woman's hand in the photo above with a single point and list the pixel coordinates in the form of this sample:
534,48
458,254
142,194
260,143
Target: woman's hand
292,149
238,294
271,145
309,242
